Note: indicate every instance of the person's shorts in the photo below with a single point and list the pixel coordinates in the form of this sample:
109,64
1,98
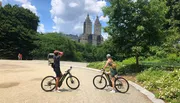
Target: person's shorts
58,72
113,72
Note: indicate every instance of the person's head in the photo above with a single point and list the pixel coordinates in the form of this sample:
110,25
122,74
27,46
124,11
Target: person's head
56,52
108,56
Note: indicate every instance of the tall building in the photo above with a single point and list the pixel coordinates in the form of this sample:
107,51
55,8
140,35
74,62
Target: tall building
88,36
0,4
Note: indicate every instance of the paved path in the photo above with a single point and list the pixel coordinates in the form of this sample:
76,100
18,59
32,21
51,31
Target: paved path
20,83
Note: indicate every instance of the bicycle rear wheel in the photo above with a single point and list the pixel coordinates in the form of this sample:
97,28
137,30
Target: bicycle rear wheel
48,83
72,82
99,82
121,85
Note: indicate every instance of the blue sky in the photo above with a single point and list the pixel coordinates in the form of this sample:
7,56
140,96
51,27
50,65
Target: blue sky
65,16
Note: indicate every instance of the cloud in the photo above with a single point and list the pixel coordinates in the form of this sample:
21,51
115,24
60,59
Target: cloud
105,35
57,8
73,4
94,6
104,19
22,1
69,15
27,4
41,28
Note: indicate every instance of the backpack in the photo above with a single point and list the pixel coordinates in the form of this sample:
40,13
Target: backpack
113,65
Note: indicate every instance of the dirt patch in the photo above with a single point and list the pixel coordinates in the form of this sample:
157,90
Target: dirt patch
14,71
8,85
37,79
11,66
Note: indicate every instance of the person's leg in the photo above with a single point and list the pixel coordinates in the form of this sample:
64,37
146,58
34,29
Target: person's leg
57,77
60,74
113,73
57,82
112,80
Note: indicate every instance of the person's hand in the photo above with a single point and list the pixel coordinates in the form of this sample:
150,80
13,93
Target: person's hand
102,69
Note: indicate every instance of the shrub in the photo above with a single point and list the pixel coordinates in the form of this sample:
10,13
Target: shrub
166,85
97,65
129,61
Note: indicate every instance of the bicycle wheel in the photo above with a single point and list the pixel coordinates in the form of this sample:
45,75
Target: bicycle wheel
48,83
99,82
72,82
121,85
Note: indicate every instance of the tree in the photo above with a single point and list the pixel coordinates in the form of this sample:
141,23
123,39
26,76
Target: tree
17,31
173,13
136,24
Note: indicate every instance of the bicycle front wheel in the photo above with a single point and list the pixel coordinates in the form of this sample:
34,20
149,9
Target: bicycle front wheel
48,83
121,85
99,82
72,82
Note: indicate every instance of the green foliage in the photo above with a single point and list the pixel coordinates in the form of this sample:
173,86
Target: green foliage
97,65
134,26
47,43
173,13
133,23
166,85
129,61
17,32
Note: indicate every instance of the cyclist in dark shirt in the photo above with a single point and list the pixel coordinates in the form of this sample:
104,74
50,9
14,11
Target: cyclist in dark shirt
56,66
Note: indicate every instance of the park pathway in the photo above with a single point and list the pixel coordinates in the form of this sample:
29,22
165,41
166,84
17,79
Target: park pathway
20,83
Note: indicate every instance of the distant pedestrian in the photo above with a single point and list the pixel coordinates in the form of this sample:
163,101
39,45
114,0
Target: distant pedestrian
19,56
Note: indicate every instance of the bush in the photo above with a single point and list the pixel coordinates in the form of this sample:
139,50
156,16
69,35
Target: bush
166,85
97,65
132,68
129,61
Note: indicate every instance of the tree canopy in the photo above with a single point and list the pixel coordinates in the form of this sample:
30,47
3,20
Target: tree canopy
17,31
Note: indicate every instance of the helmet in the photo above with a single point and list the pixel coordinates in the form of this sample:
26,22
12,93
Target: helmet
108,56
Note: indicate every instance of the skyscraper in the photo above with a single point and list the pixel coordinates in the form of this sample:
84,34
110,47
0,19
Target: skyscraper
88,36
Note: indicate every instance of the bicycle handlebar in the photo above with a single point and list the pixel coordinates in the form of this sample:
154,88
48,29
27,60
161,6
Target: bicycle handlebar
69,69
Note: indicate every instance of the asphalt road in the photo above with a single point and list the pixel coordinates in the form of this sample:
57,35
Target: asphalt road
20,83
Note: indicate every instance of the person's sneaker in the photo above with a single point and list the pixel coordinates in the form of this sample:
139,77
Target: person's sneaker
56,90
113,91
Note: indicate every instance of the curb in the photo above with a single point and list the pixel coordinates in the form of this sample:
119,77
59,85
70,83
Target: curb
149,94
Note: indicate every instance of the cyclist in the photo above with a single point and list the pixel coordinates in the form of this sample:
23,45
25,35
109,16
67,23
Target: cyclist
113,70
56,67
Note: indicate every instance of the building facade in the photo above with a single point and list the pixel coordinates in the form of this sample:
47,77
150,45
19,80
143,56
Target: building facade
0,4
89,37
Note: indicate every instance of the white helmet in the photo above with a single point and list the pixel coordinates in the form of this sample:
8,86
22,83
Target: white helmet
108,56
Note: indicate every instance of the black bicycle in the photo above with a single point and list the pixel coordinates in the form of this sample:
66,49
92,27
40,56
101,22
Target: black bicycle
120,83
49,82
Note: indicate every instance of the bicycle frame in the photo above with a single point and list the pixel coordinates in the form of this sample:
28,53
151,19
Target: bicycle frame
107,77
64,76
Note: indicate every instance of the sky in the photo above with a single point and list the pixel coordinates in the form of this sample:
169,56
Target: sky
65,16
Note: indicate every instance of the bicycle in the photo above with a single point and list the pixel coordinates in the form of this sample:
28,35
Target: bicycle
50,81
120,83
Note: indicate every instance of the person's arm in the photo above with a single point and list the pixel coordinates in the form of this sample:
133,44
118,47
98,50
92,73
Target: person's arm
106,64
